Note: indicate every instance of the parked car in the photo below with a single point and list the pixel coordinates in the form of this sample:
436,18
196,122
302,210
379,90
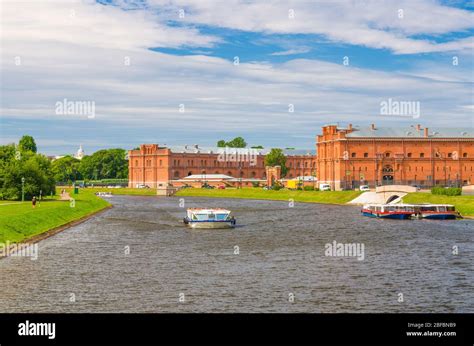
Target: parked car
418,187
221,187
364,188
142,186
324,187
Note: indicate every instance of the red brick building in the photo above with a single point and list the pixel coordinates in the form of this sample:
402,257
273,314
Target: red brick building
346,158
153,164
349,157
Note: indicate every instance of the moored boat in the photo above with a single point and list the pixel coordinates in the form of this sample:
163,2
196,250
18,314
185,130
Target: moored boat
209,218
436,211
103,194
389,211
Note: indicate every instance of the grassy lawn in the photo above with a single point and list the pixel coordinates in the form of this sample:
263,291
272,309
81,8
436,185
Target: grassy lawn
19,221
330,197
463,204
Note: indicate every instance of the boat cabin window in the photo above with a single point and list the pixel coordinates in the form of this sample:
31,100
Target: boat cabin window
428,208
221,216
202,217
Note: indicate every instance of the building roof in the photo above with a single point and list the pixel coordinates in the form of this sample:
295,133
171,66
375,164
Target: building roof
196,149
412,132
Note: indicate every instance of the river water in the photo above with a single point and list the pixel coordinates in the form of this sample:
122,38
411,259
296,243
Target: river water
139,257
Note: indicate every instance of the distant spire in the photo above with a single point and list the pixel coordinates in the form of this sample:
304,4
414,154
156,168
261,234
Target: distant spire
80,153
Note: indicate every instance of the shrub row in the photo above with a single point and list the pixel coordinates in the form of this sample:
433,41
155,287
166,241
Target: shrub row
447,191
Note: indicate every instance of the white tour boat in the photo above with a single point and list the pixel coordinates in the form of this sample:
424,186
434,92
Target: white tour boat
209,218
436,211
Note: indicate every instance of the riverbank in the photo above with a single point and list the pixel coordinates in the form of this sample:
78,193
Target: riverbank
20,222
463,204
326,197
123,191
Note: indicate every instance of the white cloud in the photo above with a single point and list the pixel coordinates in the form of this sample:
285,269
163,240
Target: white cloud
376,23
83,59
292,51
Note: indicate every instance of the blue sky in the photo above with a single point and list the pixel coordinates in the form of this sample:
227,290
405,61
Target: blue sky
157,76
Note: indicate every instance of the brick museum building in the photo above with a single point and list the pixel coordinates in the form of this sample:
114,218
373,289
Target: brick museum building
345,158
349,157
153,165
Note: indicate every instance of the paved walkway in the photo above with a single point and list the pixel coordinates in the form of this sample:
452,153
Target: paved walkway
64,196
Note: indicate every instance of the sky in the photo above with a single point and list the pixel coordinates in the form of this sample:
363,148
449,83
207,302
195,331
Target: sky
177,72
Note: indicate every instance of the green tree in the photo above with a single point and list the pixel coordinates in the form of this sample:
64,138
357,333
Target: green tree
237,142
27,143
66,169
34,168
257,147
105,164
276,158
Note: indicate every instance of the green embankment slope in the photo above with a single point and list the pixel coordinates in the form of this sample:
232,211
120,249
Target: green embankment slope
19,221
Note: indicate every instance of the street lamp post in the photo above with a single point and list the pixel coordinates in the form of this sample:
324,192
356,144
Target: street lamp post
22,189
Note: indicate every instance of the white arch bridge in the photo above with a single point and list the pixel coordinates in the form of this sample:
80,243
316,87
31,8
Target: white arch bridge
384,194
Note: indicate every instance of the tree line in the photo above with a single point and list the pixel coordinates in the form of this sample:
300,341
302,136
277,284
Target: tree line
22,168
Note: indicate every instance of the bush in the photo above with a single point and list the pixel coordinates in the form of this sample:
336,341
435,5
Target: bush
308,188
255,184
276,187
449,191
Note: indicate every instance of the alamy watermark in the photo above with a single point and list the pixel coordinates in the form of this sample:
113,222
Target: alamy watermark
400,108
336,249
9,249
238,155
67,107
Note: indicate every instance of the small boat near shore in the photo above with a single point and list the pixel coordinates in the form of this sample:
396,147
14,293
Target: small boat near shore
411,211
436,211
103,194
389,211
209,218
